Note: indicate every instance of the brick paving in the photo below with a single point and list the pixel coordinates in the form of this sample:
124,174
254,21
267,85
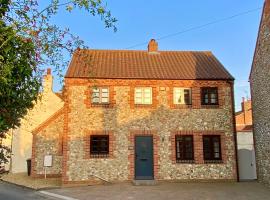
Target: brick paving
170,191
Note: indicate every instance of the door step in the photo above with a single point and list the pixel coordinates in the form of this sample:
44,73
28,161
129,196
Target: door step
144,182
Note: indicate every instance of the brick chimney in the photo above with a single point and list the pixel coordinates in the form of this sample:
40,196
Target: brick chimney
48,81
246,109
152,46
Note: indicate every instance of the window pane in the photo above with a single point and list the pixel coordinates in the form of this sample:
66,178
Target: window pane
187,96
184,147
211,147
95,100
138,90
99,144
177,98
138,101
104,100
104,90
96,90
105,94
147,95
147,100
138,95
147,90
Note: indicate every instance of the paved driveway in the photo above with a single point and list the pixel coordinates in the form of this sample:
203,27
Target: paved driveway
170,191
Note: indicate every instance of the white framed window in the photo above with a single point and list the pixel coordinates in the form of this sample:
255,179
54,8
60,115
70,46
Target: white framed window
182,96
143,95
100,95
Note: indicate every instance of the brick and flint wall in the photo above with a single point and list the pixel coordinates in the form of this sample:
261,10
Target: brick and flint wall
47,140
260,94
122,120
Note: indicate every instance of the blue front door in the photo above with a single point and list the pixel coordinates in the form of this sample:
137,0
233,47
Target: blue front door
144,158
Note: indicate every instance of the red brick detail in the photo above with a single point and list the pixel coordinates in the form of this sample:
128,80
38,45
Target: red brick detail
65,134
198,144
48,121
60,144
82,183
88,95
196,97
33,158
131,157
87,135
131,95
48,176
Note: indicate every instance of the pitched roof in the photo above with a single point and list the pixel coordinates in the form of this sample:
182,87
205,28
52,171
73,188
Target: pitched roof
130,64
244,128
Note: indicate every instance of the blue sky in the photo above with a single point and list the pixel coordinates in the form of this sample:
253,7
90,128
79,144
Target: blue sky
232,42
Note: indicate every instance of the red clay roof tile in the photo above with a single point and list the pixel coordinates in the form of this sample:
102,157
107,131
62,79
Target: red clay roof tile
129,64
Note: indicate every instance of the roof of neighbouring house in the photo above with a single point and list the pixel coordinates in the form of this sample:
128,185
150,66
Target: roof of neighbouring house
130,64
244,128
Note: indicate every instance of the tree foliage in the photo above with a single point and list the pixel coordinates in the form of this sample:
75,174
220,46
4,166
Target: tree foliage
29,41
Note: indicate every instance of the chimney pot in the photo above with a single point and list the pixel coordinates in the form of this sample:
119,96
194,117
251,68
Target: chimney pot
152,46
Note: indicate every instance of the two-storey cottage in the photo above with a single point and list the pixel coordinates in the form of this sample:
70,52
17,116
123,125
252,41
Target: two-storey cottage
162,115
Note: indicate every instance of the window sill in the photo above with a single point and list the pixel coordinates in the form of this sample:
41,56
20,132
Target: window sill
99,156
143,105
185,161
213,161
100,105
210,106
182,106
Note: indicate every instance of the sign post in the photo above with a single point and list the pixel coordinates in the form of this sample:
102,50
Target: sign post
47,163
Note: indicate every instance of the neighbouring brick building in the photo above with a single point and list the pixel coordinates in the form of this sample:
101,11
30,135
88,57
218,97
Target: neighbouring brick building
260,94
163,115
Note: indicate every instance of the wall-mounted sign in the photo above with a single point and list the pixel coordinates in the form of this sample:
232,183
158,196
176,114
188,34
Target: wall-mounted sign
47,161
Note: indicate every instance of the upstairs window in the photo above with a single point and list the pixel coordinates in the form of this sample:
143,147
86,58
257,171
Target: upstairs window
209,96
182,96
211,147
143,95
184,148
99,145
100,95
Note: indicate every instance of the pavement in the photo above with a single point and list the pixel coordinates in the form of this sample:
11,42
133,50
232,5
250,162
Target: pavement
127,191
14,192
169,191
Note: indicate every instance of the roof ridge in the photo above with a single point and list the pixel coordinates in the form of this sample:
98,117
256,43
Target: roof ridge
164,51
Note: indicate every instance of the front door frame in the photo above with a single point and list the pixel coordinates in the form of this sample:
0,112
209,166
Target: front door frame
131,150
136,164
